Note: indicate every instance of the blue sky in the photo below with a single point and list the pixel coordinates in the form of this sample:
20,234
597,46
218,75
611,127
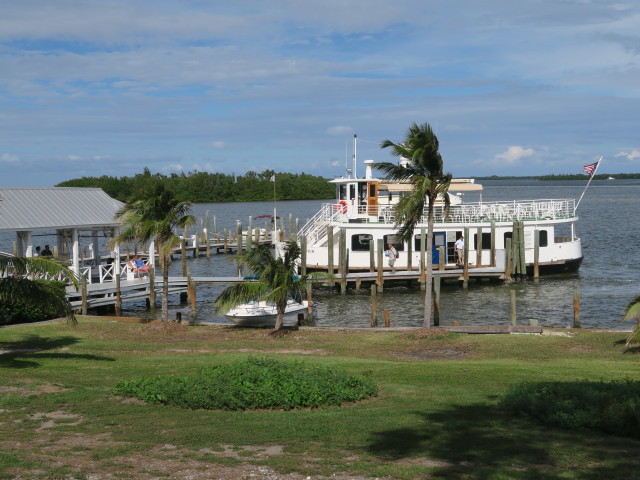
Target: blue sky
90,88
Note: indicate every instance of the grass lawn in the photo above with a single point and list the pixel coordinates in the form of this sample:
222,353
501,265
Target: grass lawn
436,415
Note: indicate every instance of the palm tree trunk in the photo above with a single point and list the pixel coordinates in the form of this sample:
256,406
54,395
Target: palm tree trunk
165,288
428,296
280,318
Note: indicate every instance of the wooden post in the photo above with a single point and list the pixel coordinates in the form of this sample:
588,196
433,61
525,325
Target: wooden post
152,286
225,244
380,252
513,307
436,301
297,229
410,254
465,259
183,256
342,258
330,249
522,262
83,285
507,260
479,247
493,243
536,255
191,292
303,255
290,226
441,255
195,245
372,256
215,226
576,306
387,321
118,305
374,307
250,233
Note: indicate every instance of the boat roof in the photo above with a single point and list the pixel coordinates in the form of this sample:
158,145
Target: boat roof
457,184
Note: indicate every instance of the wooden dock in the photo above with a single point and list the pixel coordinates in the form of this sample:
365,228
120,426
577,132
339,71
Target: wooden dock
104,294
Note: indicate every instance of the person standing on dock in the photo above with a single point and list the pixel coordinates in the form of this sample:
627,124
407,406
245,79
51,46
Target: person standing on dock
460,249
46,252
392,254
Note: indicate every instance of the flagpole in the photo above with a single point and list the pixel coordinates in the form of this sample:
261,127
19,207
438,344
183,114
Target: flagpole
589,182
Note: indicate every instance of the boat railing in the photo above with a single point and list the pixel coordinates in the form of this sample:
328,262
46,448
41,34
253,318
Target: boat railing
329,214
500,211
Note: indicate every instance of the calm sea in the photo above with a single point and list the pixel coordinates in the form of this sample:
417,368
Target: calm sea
608,278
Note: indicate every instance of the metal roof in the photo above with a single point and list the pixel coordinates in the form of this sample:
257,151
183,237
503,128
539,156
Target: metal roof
40,208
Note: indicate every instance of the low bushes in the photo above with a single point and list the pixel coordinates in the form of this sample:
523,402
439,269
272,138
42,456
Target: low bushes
253,384
612,407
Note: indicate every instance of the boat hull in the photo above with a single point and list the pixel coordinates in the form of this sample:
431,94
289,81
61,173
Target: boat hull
261,315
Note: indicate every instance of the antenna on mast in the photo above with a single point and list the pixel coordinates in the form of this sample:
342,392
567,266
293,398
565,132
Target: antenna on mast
355,147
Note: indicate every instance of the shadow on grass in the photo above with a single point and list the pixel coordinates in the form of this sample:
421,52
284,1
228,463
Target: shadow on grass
24,353
482,442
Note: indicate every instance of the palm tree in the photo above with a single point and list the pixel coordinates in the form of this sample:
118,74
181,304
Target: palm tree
424,172
632,312
19,283
276,280
154,215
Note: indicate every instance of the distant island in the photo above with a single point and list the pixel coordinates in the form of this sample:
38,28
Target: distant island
577,176
204,187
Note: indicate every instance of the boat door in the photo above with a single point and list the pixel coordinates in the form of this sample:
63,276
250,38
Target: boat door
372,198
439,241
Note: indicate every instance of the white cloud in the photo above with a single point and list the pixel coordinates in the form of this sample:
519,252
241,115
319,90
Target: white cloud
174,167
9,158
514,154
219,145
339,130
629,156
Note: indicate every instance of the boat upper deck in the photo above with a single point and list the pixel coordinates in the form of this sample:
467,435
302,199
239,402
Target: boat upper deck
478,212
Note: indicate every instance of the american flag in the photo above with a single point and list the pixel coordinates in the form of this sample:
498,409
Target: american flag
589,169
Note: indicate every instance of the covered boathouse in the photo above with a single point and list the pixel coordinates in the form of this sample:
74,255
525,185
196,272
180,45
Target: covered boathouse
64,218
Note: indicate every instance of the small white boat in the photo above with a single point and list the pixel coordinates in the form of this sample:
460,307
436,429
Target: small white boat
264,314
611,178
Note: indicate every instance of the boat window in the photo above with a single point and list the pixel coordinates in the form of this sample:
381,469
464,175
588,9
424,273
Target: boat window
342,192
543,238
395,239
352,191
361,242
486,241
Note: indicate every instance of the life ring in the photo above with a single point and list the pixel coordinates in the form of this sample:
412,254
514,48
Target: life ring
341,205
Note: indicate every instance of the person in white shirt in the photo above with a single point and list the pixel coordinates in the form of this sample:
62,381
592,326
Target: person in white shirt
460,249
393,254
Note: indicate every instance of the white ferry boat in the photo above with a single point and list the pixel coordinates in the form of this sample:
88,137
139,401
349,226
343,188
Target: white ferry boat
364,208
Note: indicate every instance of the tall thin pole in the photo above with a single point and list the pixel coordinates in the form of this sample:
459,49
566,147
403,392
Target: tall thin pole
585,188
355,148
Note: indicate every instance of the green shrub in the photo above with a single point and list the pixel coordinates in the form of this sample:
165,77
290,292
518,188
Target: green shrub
253,383
612,407
17,311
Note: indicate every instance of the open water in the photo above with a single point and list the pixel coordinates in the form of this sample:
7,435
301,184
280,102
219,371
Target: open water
608,278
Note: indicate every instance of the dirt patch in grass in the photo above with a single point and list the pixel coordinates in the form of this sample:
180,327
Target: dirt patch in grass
430,354
425,334
32,390
80,455
169,329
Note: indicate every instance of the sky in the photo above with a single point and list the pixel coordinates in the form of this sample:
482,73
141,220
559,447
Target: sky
527,87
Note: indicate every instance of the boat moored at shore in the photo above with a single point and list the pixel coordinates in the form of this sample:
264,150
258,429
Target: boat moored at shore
364,211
